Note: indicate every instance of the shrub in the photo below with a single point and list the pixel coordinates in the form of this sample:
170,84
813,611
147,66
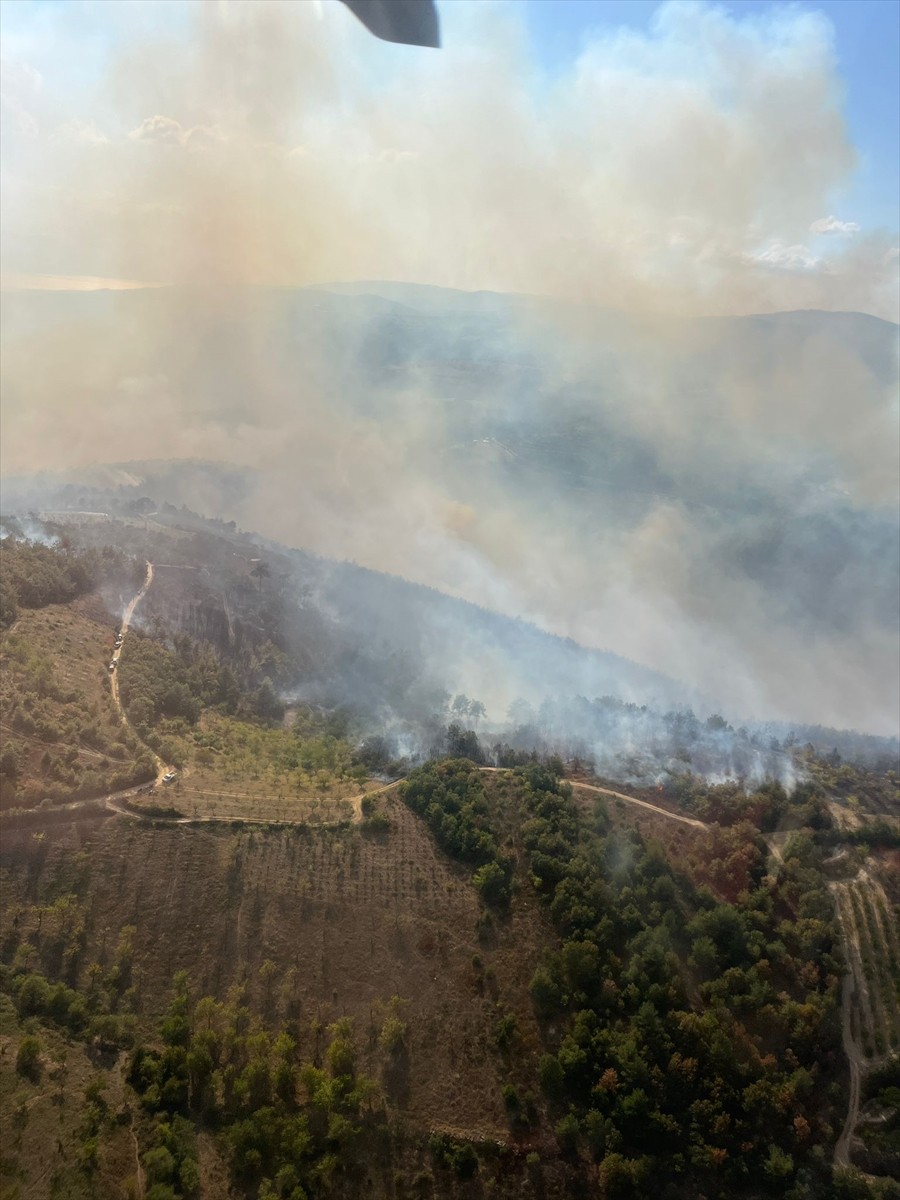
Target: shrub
506,1032
393,1034
28,1058
493,883
456,1156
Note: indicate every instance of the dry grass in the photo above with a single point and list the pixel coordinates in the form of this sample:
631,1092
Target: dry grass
204,793
58,655
242,771
348,921
41,1120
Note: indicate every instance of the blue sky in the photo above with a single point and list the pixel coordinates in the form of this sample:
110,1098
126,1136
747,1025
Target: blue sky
867,44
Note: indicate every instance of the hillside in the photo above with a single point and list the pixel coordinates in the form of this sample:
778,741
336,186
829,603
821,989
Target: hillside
355,613
63,737
289,972
254,630
482,1016
450,715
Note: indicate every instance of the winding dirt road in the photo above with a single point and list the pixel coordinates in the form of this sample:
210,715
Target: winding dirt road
126,621
855,1059
602,791
663,812
356,802
115,803
161,768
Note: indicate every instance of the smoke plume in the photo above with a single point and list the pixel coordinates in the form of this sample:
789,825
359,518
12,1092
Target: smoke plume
714,498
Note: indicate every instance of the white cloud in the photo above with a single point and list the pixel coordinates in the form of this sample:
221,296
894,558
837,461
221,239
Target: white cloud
786,258
826,225
169,132
159,129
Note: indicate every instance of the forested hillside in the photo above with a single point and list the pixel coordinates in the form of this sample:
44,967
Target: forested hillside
33,575
557,995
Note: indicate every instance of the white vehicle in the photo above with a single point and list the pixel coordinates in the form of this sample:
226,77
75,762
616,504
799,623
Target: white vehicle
112,665
169,776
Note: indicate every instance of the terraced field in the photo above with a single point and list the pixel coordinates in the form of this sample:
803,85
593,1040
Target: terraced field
56,711
874,960
239,771
871,998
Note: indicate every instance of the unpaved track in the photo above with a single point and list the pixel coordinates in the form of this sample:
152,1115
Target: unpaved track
663,812
356,801
855,1059
602,791
126,621
161,768
115,804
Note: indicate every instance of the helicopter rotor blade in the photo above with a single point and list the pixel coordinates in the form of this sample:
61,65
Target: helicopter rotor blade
409,22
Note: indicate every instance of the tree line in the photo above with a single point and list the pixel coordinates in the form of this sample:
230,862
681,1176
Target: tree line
691,1045
33,575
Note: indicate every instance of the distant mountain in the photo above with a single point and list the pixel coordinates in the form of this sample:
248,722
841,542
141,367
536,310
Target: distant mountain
716,498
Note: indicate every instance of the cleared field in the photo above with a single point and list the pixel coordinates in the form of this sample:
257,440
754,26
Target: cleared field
878,937
241,771
345,920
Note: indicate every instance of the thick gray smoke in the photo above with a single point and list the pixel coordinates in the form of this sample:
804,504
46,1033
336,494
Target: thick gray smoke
714,498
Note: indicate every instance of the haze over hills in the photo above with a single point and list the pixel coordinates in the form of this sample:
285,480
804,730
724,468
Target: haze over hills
715,499
392,654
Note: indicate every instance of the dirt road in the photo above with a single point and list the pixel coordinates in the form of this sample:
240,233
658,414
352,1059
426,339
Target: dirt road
602,791
115,804
663,812
356,801
161,768
855,1059
126,621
